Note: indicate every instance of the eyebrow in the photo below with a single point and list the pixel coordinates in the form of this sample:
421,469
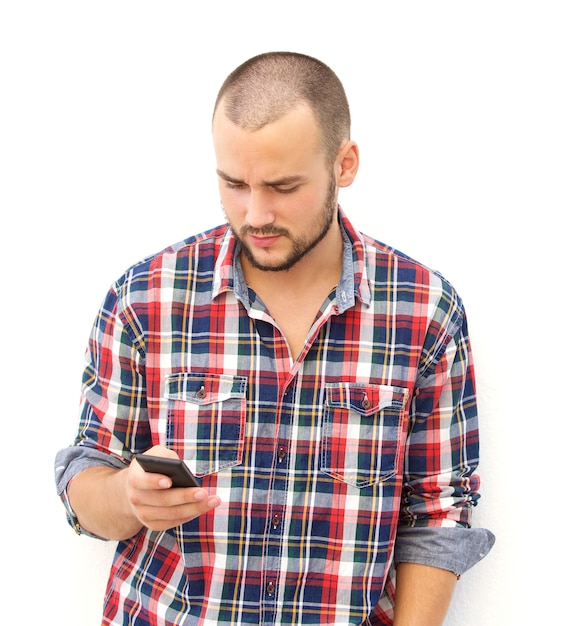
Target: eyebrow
279,182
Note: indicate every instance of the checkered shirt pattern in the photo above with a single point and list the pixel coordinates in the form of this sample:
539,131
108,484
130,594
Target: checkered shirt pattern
317,460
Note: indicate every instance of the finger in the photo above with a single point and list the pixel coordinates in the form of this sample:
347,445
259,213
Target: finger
159,450
161,518
167,497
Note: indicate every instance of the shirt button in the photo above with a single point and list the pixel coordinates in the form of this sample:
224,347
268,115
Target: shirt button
270,588
201,392
366,403
276,521
282,453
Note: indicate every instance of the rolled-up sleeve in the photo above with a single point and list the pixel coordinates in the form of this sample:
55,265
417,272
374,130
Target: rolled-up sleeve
71,461
441,485
453,549
113,424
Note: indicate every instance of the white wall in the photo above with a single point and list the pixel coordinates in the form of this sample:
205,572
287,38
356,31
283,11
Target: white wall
106,156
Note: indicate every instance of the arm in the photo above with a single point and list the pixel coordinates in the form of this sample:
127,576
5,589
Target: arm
442,449
106,492
423,595
117,504
95,495
435,541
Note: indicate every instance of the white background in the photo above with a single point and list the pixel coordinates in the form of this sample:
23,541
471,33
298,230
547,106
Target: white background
106,156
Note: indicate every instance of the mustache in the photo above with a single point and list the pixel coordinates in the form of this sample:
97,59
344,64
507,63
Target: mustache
265,231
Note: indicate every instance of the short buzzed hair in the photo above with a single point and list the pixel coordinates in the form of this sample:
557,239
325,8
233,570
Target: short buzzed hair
267,86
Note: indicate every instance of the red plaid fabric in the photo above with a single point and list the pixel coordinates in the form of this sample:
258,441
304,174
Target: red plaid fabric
317,460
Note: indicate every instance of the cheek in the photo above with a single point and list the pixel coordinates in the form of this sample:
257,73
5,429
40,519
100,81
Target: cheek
233,202
304,205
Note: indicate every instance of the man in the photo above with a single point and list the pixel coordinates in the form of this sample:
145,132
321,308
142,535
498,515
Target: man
320,384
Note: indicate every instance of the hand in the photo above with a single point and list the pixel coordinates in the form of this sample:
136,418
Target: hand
156,505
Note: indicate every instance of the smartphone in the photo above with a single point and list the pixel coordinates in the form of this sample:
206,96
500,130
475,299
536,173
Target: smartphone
176,469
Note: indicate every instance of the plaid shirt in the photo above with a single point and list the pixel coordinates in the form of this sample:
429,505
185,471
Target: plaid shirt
318,461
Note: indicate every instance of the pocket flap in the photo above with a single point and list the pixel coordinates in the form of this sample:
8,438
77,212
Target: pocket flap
365,399
204,388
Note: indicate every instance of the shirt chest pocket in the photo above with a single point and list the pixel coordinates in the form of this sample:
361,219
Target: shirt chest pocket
206,418
362,432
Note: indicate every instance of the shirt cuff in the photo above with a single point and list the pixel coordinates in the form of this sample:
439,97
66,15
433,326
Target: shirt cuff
453,549
71,461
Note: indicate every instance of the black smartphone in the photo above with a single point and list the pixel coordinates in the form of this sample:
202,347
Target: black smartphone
176,469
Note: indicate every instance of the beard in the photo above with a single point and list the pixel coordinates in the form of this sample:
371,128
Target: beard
301,246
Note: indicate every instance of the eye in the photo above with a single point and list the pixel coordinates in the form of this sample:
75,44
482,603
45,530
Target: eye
287,189
232,185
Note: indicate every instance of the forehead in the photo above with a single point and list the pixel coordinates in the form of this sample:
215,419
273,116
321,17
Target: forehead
290,142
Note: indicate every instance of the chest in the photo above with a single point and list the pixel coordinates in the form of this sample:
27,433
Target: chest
295,321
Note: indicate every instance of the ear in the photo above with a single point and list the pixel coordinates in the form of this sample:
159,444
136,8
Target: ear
347,163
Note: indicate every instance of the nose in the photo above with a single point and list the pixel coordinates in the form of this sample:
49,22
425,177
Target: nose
258,209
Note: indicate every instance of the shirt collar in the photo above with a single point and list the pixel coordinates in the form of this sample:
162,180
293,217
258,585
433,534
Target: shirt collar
353,281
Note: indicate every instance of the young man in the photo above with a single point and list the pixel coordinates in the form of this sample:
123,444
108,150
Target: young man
320,385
